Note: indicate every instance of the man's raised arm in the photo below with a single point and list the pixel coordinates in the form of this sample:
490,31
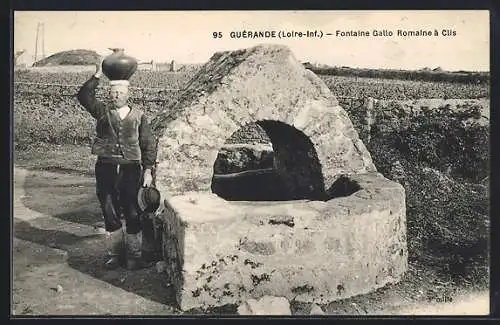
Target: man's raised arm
86,95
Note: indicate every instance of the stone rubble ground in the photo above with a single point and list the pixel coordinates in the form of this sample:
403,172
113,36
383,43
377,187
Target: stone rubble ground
316,310
266,305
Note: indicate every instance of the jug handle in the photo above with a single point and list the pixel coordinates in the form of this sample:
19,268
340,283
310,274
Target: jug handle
115,49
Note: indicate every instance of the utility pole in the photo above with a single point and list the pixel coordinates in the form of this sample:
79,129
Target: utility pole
40,39
36,42
43,40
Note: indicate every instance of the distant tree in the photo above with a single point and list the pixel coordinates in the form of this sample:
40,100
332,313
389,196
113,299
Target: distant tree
17,55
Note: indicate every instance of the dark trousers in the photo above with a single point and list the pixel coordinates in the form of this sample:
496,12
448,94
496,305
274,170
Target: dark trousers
117,193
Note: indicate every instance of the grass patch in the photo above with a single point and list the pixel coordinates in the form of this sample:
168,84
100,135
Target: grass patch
60,158
441,157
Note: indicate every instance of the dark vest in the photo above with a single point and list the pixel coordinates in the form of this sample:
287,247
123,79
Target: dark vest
125,144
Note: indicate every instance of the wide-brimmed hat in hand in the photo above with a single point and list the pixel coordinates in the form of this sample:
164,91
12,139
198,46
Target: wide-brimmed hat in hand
148,199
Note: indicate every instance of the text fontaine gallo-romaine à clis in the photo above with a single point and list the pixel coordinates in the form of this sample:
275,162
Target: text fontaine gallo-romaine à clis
398,32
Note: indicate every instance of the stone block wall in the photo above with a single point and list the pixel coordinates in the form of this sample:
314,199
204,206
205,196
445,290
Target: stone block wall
309,247
310,251
240,157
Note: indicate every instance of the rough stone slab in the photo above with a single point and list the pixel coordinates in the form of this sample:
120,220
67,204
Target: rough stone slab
266,305
219,252
258,84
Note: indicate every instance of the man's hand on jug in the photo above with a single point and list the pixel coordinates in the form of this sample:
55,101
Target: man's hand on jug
148,178
98,66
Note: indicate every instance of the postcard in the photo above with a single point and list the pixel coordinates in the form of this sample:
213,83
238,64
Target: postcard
300,163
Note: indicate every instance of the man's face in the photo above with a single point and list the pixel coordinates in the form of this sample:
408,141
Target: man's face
119,96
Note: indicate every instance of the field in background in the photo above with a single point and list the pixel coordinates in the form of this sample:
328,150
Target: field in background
349,86
46,109
424,74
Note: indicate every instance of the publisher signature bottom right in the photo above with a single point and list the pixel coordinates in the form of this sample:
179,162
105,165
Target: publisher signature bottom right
473,304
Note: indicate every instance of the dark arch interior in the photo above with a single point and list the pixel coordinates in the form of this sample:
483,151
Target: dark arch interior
289,171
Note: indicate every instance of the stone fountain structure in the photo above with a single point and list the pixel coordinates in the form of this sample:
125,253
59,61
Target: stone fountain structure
338,230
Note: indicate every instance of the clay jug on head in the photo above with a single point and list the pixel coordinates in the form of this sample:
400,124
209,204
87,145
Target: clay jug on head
118,65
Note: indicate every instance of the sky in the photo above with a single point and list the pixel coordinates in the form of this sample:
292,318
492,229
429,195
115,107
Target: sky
187,36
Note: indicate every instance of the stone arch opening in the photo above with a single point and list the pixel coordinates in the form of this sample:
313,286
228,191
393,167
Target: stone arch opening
287,169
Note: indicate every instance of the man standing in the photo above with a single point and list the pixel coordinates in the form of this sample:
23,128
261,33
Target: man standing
126,152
